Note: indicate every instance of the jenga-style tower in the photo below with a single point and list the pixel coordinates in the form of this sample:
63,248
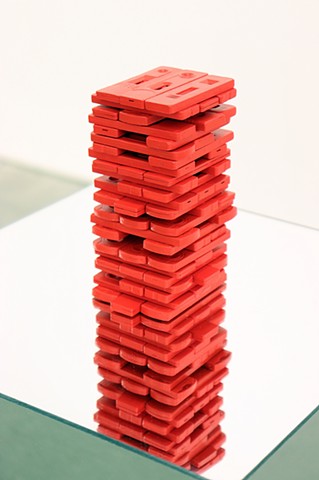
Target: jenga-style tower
160,220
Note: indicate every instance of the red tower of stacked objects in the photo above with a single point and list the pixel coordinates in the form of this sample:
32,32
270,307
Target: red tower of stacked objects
161,152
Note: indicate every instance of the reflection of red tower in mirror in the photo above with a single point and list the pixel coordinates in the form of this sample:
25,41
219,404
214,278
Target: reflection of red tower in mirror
160,220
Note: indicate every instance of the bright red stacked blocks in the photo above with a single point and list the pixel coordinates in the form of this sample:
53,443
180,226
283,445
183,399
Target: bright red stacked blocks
162,206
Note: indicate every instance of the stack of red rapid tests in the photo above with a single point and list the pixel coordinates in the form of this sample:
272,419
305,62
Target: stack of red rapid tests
163,202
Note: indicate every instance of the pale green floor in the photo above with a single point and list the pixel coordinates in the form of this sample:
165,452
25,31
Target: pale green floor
24,190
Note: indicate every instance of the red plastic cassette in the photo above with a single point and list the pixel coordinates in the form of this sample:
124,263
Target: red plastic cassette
206,185
165,134
179,206
161,152
162,178
195,452
203,332
188,227
165,90
148,276
176,163
140,187
151,193
183,114
176,441
108,291
150,290
132,254
180,426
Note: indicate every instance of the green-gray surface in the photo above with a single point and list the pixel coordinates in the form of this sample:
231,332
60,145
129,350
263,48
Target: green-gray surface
25,190
35,445
296,457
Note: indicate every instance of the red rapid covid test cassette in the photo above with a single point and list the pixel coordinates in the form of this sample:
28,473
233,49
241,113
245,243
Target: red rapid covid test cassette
160,152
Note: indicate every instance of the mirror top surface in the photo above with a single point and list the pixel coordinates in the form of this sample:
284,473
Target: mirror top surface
47,328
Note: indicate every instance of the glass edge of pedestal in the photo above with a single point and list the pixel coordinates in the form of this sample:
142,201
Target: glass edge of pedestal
284,442
103,438
184,473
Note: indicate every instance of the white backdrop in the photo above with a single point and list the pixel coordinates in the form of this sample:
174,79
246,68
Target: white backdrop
54,55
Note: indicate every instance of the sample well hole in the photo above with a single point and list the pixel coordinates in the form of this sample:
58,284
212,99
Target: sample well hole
142,79
161,86
209,81
187,74
188,90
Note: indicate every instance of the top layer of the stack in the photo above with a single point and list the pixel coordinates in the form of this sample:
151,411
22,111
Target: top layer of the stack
168,92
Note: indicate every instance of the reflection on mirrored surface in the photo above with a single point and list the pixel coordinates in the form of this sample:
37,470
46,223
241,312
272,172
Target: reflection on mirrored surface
48,327
36,445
